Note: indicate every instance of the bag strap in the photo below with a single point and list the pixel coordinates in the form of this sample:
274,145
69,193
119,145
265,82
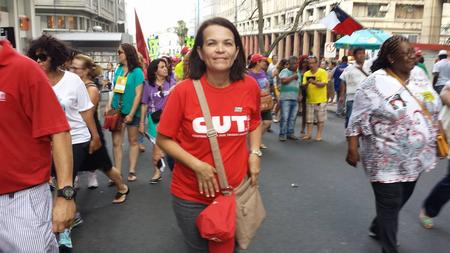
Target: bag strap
212,136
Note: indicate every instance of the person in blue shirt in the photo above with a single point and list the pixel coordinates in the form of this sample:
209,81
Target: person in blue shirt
337,83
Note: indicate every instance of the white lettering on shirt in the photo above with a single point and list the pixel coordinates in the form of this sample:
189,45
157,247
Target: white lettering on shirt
222,124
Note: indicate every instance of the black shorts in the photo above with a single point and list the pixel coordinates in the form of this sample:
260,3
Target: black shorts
100,159
266,115
80,153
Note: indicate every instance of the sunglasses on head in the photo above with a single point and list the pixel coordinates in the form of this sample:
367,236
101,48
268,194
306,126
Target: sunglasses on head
119,52
40,57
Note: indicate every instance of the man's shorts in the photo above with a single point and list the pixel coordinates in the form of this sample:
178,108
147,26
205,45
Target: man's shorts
26,221
316,111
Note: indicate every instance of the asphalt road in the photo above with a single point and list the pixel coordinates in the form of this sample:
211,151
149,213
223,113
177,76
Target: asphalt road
329,211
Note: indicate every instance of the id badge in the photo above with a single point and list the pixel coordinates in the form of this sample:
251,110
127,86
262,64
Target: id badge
120,84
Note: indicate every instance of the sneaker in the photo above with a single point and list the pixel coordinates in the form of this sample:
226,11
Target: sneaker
77,221
282,138
76,183
292,137
64,240
92,180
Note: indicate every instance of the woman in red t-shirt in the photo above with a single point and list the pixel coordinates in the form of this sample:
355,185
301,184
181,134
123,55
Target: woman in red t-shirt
233,99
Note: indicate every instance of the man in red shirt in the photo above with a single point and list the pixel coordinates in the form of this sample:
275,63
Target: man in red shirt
33,126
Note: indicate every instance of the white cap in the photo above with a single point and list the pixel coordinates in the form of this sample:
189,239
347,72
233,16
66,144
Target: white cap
442,52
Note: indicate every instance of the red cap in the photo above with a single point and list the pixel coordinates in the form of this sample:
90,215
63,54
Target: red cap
418,52
257,57
184,51
217,223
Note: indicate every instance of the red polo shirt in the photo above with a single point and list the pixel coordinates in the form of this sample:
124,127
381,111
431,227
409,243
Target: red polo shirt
29,114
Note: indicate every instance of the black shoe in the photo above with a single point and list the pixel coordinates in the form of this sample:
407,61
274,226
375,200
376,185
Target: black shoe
155,180
375,236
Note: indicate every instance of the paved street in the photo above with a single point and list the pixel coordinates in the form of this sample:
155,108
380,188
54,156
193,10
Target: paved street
329,211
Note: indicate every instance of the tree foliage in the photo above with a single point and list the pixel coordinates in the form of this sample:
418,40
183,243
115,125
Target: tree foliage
181,30
290,30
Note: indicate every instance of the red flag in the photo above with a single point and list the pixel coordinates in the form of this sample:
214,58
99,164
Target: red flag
140,41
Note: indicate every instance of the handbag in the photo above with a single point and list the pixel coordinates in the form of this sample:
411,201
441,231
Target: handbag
156,116
113,118
250,211
441,140
266,101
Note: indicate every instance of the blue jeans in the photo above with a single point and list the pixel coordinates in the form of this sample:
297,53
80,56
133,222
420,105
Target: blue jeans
288,113
348,111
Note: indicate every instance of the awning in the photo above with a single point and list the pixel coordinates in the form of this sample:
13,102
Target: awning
89,36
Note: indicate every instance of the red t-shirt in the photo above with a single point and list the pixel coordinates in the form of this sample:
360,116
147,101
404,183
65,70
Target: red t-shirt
29,113
235,113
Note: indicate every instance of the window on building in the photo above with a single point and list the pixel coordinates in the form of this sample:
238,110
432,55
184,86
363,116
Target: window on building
82,24
72,23
413,38
3,5
276,22
376,10
309,15
321,12
283,19
51,22
61,22
408,11
268,22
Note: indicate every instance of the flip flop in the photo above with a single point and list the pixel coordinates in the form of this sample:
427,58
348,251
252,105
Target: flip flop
132,177
427,222
119,195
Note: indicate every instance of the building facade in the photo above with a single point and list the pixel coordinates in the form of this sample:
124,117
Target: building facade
95,27
16,20
419,20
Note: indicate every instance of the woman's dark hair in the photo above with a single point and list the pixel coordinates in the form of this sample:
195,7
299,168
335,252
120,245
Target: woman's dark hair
281,64
389,47
54,48
197,67
131,55
151,70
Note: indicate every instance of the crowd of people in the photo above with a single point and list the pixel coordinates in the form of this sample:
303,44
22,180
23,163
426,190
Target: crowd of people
391,109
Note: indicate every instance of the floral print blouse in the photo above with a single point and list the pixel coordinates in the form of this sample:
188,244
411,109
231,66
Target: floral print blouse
398,141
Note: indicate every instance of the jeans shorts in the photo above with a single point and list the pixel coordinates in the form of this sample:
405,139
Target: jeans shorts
135,122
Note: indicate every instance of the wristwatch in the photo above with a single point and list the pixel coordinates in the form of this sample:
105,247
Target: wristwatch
68,192
256,152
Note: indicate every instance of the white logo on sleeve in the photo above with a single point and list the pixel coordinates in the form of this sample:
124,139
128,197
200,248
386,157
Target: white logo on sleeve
222,124
2,96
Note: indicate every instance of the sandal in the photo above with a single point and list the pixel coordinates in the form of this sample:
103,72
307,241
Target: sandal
119,195
426,221
306,138
111,183
132,176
